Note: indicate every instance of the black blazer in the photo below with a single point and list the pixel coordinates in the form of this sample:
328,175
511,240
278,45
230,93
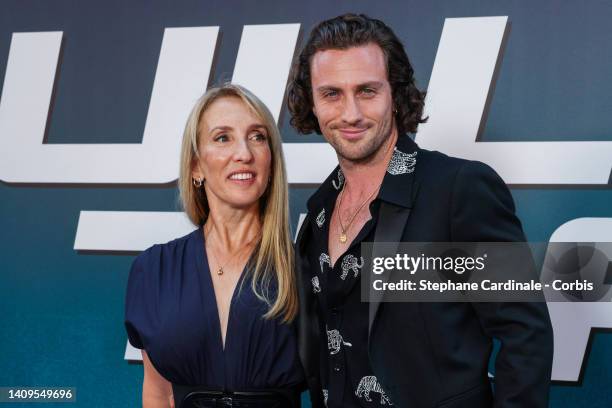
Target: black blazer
436,354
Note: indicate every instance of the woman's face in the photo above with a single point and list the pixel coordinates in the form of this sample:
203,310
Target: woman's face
235,157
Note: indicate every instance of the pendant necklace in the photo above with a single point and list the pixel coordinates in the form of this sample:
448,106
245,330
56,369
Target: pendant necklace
343,236
220,270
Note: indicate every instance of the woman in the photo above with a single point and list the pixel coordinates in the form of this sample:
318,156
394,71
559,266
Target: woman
211,311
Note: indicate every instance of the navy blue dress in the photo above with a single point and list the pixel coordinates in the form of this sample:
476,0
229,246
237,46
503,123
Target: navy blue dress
171,312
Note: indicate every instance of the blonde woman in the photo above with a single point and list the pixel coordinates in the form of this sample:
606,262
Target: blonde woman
212,310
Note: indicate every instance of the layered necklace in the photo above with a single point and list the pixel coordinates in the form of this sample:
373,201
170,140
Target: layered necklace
343,231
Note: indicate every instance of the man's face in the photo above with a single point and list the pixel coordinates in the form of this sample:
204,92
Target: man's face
352,100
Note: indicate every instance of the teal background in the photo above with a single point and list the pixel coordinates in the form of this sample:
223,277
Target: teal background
61,312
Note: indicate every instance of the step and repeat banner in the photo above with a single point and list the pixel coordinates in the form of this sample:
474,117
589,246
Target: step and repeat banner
94,97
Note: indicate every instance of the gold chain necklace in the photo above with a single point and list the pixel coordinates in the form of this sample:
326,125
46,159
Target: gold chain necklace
343,238
220,270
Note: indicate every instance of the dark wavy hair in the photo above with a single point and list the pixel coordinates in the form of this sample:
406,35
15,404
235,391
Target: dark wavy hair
343,32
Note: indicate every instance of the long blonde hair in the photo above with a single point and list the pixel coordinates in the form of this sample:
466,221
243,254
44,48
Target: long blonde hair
274,258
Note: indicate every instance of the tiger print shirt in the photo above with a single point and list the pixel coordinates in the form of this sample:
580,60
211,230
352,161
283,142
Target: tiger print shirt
346,376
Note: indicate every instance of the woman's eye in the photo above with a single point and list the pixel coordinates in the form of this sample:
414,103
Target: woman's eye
221,138
259,136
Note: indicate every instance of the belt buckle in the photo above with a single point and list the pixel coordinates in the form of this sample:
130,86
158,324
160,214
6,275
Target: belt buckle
225,402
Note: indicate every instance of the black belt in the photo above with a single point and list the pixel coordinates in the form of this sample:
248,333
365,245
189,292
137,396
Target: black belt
200,397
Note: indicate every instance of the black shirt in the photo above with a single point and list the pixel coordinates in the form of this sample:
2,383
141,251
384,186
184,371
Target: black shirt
346,376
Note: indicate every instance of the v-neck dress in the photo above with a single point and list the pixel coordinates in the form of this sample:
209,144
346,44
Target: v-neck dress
171,312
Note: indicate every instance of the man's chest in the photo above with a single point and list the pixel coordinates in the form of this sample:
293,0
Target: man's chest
341,236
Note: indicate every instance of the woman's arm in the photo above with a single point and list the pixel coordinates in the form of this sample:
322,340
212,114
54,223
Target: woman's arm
156,390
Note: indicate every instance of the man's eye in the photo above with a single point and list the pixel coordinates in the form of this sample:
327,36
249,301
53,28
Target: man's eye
330,94
368,91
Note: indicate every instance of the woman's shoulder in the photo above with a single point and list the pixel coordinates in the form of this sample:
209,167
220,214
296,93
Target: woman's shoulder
161,258
154,274
177,247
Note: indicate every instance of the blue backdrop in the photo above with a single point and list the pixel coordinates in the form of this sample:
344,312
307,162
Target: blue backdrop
61,312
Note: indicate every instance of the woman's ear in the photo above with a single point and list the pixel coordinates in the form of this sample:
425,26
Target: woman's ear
196,170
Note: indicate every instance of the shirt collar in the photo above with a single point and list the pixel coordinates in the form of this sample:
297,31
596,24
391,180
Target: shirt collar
397,185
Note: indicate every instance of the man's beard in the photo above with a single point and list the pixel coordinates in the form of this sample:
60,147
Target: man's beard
366,149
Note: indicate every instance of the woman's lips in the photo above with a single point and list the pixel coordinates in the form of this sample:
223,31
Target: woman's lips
242,177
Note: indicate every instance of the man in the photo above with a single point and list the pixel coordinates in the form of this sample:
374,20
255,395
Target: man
354,84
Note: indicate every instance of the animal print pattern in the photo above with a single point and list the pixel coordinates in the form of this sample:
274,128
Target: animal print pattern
340,183
350,263
321,218
324,259
335,341
369,384
401,163
316,287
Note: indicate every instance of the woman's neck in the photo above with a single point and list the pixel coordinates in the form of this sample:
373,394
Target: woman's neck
232,228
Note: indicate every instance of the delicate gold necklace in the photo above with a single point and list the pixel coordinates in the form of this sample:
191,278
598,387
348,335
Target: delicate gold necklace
343,237
220,270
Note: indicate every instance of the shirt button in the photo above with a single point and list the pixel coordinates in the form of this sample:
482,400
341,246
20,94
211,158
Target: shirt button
337,368
334,310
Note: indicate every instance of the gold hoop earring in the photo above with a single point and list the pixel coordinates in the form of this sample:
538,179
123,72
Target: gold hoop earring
198,182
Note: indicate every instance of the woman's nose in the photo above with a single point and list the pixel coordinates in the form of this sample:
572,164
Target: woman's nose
242,152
